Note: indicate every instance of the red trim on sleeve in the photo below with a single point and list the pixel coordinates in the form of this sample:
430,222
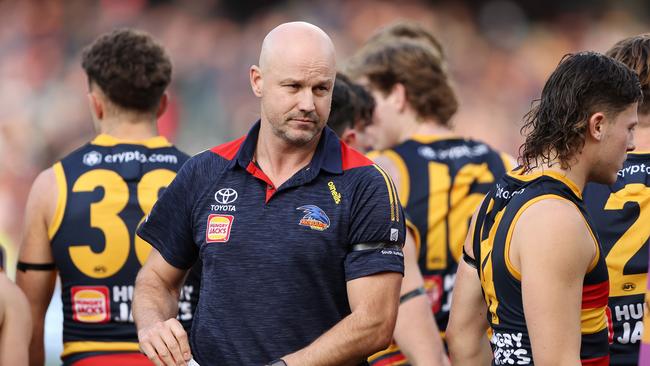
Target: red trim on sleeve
395,359
229,149
595,296
351,158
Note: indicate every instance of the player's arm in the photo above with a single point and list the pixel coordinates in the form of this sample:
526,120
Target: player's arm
368,329
553,249
155,306
38,278
15,323
466,332
417,335
416,331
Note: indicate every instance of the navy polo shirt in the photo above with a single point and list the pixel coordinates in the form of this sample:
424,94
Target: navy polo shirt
275,259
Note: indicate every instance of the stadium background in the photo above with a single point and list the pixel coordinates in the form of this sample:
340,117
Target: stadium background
500,53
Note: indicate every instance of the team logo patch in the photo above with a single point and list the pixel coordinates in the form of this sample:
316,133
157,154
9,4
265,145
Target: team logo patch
92,158
90,304
218,230
314,218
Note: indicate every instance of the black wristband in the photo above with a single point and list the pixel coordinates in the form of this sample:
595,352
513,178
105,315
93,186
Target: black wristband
278,362
411,294
24,267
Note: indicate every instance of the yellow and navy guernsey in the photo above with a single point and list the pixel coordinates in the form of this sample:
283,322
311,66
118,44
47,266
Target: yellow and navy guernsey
501,282
276,260
106,188
441,182
621,214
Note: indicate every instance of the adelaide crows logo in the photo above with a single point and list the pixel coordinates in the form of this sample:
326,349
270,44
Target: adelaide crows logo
314,218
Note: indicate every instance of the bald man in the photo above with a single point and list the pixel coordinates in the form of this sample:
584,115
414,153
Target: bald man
300,236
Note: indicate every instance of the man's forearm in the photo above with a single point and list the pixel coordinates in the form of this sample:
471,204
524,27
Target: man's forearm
37,347
417,335
153,301
349,342
472,354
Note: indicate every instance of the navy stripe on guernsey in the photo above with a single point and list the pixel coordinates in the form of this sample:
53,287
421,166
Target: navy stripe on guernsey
105,188
441,182
276,260
621,214
501,282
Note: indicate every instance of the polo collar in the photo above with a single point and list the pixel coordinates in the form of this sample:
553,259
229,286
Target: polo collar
327,156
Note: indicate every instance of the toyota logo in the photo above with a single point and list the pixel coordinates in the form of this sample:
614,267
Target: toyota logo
225,196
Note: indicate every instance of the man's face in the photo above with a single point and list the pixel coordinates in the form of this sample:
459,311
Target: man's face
296,97
618,139
383,132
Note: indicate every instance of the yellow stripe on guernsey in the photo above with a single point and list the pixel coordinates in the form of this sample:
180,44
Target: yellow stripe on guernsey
593,320
508,161
404,181
394,213
517,174
62,197
416,234
511,268
152,143
393,348
428,139
79,347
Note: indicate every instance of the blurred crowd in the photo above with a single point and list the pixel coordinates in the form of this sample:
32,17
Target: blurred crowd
499,56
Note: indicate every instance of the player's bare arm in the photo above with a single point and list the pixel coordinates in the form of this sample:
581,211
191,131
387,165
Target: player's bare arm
155,305
466,332
551,283
368,329
37,280
416,331
15,324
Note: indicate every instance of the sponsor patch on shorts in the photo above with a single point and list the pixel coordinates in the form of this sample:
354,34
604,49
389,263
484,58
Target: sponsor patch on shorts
90,304
218,229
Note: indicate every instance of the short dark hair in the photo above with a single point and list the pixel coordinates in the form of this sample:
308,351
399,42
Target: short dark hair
364,104
342,111
413,65
130,67
581,85
635,53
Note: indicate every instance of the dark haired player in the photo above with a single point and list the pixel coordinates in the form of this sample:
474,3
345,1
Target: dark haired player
621,214
542,281
82,213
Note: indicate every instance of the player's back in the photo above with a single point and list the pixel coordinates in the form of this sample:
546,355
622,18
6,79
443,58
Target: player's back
441,182
501,282
105,190
621,214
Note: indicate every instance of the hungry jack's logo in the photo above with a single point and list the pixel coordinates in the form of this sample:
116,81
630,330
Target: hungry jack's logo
90,304
218,229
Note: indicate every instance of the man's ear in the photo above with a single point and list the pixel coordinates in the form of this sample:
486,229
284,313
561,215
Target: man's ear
397,96
96,105
596,125
162,106
349,136
256,80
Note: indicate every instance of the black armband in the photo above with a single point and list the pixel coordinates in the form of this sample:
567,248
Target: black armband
469,260
411,294
24,267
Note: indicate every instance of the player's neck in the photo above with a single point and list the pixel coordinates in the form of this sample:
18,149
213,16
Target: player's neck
642,133
428,127
280,160
128,128
577,173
